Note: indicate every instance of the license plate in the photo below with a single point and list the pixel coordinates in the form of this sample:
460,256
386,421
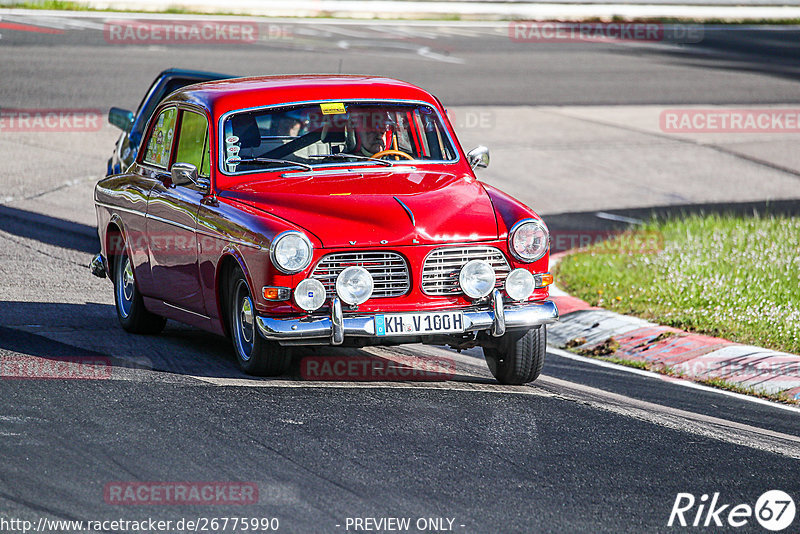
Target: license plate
412,324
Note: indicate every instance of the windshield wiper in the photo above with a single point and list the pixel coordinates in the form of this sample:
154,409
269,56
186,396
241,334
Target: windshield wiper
270,160
344,155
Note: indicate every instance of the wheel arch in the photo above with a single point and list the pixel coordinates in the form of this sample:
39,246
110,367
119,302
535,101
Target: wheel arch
230,260
111,244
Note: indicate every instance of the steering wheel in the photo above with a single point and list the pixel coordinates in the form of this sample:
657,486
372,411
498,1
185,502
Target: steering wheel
392,153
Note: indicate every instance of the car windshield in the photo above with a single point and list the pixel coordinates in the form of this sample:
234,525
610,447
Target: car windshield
334,133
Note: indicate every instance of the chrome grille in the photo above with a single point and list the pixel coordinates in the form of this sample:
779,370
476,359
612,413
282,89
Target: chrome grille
389,271
442,266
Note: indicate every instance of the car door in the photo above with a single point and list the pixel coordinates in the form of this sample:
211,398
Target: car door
172,208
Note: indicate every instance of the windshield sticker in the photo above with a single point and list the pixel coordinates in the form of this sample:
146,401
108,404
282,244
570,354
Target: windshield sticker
233,149
233,160
332,108
232,139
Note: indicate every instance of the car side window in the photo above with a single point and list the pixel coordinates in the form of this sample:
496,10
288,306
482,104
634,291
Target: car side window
159,146
193,142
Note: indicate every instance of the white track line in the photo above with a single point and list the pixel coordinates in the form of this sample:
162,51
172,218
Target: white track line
310,384
479,365
674,418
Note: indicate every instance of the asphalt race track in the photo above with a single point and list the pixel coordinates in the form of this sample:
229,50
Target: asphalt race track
586,448
464,65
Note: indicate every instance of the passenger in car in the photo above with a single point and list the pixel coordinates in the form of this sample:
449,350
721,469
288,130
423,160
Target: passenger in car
289,127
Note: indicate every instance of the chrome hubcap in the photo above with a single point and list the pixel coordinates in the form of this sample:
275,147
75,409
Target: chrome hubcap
125,287
247,319
127,280
244,319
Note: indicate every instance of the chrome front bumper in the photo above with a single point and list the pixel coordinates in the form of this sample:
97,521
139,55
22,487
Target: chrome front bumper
336,327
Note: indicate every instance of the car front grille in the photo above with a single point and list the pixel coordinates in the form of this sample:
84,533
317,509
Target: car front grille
443,265
389,271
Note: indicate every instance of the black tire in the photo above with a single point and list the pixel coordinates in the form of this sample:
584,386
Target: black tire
256,356
517,358
132,314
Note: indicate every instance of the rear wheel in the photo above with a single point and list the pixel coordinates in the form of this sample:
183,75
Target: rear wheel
132,314
256,356
516,357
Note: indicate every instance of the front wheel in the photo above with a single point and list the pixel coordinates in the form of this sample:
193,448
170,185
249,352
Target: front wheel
256,356
517,358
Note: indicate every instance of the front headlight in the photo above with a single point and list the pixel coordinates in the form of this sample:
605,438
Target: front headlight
290,252
354,285
477,279
528,240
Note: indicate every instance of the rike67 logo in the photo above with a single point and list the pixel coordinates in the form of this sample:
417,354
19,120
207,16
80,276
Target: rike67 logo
774,510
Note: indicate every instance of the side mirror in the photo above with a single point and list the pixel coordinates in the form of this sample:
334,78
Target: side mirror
478,157
121,118
183,174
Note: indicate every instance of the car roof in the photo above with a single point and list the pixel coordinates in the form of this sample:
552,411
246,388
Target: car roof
221,96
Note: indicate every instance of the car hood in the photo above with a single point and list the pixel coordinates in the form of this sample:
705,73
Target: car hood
390,207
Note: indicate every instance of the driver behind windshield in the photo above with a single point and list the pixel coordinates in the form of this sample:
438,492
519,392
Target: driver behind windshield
369,129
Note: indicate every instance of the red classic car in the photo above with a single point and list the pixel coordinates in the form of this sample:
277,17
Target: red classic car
322,210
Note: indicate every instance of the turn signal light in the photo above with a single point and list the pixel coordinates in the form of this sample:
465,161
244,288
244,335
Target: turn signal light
276,293
543,280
